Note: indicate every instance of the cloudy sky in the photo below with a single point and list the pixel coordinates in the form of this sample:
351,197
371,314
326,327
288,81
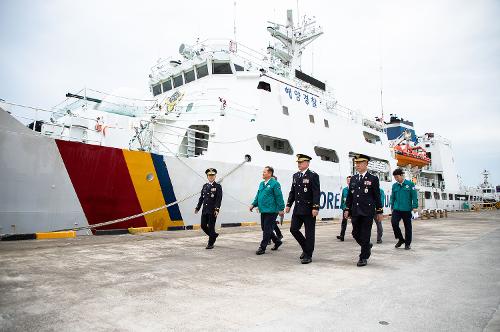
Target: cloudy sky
440,58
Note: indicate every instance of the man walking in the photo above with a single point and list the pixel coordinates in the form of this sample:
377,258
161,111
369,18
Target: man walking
403,200
362,204
305,193
211,198
343,226
269,200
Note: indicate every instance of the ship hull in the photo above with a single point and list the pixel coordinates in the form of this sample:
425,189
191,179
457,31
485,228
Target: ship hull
50,184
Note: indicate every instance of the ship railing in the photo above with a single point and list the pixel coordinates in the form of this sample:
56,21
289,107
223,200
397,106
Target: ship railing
36,118
425,182
373,125
346,113
213,45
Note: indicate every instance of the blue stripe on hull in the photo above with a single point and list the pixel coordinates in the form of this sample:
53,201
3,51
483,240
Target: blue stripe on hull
166,186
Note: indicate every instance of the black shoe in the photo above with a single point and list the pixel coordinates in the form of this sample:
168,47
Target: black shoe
260,251
306,260
277,245
407,247
302,255
379,241
209,246
341,238
362,262
280,237
400,243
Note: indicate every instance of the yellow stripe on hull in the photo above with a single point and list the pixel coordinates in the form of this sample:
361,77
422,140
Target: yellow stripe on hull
147,188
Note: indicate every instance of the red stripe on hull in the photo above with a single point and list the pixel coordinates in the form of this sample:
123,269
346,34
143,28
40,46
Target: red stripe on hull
102,183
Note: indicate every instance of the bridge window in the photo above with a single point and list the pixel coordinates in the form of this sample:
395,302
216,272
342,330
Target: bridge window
326,154
311,118
156,89
436,196
189,76
428,195
450,197
285,110
178,81
238,67
201,70
327,125
274,144
221,68
443,196
167,85
371,138
264,86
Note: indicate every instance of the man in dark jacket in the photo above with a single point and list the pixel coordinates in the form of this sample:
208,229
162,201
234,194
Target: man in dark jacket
362,204
305,194
211,198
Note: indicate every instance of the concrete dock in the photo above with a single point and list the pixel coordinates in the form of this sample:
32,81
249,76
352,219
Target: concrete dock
449,281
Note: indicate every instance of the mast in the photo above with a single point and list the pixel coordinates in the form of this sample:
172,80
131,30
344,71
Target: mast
292,40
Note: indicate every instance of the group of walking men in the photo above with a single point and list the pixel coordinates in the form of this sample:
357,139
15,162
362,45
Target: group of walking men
362,202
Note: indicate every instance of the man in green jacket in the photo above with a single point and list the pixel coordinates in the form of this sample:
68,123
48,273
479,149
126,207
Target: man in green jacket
269,201
403,200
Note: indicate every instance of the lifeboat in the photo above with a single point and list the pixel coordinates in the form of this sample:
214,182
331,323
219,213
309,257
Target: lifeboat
411,155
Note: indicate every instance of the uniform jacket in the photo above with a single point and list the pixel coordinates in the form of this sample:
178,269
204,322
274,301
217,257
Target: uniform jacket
210,197
269,198
404,196
344,197
304,192
363,198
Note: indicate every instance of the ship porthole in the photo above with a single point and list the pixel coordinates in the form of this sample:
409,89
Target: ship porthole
150,177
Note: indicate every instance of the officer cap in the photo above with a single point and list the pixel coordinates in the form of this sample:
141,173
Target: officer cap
303,157
211,171
361,157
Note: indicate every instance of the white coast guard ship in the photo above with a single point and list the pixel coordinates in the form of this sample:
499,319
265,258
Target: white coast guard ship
112,162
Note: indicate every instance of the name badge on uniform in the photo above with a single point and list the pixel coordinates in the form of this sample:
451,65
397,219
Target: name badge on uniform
305,189
366,190
368,183
305,181
214,189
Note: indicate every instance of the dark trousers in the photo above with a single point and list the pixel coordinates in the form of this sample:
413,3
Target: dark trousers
307,242
361,232
267,223
277,230
396,217
380,230
343,226
208,226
